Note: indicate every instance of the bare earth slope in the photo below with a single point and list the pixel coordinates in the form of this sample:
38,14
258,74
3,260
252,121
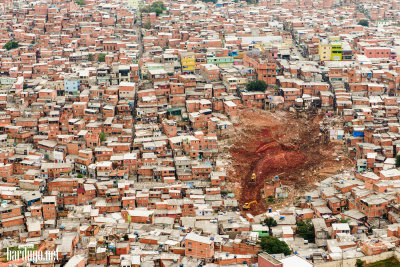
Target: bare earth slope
271,144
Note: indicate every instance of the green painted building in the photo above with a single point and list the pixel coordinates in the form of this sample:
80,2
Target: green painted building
262,230
220,61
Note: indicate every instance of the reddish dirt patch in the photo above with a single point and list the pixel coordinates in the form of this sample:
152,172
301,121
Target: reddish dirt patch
274,156
270,144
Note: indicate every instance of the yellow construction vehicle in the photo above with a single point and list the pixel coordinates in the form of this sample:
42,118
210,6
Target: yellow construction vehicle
247,206
253,178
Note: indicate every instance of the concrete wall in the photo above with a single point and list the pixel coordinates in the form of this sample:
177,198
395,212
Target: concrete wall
367,259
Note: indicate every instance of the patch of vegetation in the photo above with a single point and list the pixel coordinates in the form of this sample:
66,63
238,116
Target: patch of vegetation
305,229
147,25
101,57
391,262
103,136
363,22
210,1
370,229
359,263
273,245
90,57
156,7
397,161
80,2
11,45
256,86
252,2
270,222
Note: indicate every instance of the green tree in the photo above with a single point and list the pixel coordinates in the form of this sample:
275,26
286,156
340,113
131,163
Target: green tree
11,45
158,4
80,2
101,57
359,263
305,229
147,25
257,85
157,7
370,230
270,222
397,161
103,136
79,176
271,199
273,245
363,22
158,10
90,57
252,1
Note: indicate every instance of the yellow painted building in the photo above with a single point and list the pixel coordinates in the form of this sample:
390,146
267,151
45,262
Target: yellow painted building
324,50
336,51
188,62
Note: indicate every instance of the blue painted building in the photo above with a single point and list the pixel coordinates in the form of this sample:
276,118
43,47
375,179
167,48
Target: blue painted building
71,85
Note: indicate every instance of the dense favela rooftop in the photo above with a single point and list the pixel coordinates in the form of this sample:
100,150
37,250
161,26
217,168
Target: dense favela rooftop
200,133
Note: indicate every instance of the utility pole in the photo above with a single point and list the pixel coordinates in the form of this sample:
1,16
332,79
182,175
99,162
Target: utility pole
342,258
